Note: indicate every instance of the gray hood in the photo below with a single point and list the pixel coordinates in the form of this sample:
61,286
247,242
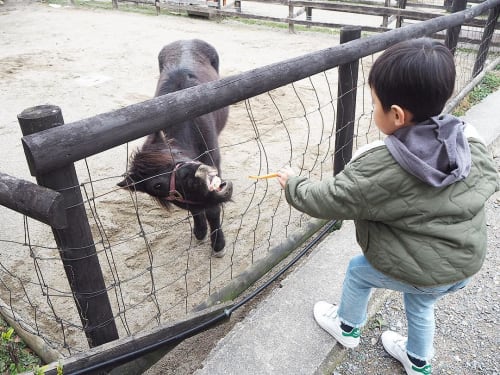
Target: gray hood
435,151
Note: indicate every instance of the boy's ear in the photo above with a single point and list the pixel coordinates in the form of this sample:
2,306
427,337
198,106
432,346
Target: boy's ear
401,116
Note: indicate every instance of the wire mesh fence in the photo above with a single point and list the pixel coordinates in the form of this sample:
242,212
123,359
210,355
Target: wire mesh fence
155,270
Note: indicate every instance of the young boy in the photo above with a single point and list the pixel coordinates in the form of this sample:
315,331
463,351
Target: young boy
417,201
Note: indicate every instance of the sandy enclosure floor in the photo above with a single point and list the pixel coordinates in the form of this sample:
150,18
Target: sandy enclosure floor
89,62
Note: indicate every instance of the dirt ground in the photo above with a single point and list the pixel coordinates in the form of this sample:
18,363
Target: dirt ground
88,62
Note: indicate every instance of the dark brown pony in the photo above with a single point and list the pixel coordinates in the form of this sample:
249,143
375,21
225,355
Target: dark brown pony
180,165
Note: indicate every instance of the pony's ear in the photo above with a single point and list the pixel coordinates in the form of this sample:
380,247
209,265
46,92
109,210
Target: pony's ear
126,183
158,137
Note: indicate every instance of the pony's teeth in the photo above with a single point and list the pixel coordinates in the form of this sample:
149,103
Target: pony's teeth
215,183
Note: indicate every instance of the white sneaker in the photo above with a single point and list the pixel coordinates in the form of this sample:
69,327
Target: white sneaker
327,318
395,345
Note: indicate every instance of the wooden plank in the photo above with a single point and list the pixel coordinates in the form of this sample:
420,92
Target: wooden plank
424,5
380,11
37,202
367,9
372,29
200,13
113,354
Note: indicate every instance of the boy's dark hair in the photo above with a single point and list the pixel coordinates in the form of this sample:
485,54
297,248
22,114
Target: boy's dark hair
417,74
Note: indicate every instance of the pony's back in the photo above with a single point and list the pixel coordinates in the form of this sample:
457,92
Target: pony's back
187,63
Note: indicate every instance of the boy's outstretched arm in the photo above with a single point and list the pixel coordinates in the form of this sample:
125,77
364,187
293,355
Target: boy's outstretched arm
331,198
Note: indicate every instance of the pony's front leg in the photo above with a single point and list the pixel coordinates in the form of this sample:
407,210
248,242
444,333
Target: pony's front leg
200,224
216,235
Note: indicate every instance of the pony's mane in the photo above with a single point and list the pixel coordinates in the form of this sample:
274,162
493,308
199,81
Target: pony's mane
152,160
155,159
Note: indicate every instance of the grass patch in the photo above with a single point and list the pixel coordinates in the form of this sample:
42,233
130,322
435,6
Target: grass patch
15,355
489,84
147,9
282,25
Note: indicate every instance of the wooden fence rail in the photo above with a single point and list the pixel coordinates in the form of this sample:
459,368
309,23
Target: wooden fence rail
32,200
298,7
111,129
374,10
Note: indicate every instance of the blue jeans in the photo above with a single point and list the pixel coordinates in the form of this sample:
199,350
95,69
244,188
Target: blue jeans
419,302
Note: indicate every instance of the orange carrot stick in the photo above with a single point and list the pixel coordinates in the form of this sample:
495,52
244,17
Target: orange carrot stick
270,175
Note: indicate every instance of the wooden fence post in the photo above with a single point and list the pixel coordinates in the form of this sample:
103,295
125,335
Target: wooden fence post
484,47
346,103
399,19
291,27
385,18
75,242
453,33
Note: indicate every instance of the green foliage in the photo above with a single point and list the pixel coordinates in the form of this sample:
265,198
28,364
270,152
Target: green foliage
490,83
147,9
377,323
15,356
37,370
7,335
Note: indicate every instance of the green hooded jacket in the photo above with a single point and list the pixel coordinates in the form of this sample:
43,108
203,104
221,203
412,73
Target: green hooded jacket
411,231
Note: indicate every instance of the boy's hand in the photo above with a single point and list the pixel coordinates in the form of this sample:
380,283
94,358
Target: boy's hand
284,174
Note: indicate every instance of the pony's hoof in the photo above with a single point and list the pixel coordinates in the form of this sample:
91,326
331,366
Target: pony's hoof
218,242
218,254
200,234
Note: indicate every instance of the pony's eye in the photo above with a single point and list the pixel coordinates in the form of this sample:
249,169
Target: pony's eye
157,186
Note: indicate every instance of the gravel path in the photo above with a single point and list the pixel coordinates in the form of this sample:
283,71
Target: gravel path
467,335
